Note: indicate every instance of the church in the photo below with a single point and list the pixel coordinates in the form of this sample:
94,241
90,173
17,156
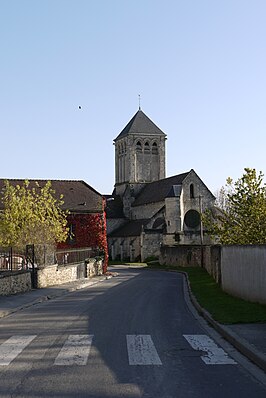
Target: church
147,209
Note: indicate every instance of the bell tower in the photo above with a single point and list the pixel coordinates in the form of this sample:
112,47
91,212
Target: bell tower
139,153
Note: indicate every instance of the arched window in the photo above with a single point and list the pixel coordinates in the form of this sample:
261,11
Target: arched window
154,148
191,189
146,147
123,147
138,147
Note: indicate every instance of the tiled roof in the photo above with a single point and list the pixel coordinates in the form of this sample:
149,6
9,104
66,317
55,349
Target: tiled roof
174,191
159,223
78,196
140,124
132,228
157,191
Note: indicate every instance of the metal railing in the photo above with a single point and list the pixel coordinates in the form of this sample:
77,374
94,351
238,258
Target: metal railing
14,260
73,256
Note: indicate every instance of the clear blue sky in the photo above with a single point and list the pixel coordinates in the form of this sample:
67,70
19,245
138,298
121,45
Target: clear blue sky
199,65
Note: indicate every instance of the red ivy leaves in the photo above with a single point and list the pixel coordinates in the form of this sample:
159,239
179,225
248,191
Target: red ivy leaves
89,231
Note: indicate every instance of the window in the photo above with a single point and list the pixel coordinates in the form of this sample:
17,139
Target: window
191,189
192,219
154,148
138,147
123,148
147,147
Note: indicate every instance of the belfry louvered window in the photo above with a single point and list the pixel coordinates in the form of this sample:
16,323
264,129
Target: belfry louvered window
138,147
154,148
146,147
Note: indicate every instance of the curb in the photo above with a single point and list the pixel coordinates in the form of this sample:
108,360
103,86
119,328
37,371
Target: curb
41,299
239,343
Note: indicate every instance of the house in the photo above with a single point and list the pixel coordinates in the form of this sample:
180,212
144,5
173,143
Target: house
86,217
146,209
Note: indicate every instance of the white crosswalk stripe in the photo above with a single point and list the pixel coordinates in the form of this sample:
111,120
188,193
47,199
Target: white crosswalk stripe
11,348
75,350
214,355
141,350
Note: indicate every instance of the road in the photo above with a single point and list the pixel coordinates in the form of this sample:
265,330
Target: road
131,336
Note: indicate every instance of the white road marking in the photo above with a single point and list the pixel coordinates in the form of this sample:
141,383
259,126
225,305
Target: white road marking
214,355
75,350
141,350
10,349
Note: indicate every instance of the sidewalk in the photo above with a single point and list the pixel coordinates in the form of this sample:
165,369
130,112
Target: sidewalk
17,302
249,339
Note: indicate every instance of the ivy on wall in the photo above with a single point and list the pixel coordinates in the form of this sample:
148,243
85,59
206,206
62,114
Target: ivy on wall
88,230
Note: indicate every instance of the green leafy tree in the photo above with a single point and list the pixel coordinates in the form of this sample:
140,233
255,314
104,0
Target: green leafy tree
32,215
241,216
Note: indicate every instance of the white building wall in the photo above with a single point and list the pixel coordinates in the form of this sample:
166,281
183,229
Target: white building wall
243,270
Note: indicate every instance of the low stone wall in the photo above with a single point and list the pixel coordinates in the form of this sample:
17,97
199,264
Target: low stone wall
94,267
193,256
59,274
20,282
212,261
15,282
181,255
56,275
239,269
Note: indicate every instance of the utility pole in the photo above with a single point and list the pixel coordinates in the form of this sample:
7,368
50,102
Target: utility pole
201,225
201,231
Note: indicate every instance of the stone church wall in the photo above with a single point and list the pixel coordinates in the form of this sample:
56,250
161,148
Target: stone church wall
148,167
172,215
151,244
136,248
202,196
125,248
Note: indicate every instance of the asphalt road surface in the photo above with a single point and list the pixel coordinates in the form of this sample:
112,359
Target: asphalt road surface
131,336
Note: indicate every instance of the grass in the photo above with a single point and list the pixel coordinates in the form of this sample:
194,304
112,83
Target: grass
223,308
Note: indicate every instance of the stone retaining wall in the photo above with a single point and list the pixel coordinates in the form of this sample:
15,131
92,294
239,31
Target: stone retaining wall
205,256
59,274
56,275
20,282
94,267
15,282
181,255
